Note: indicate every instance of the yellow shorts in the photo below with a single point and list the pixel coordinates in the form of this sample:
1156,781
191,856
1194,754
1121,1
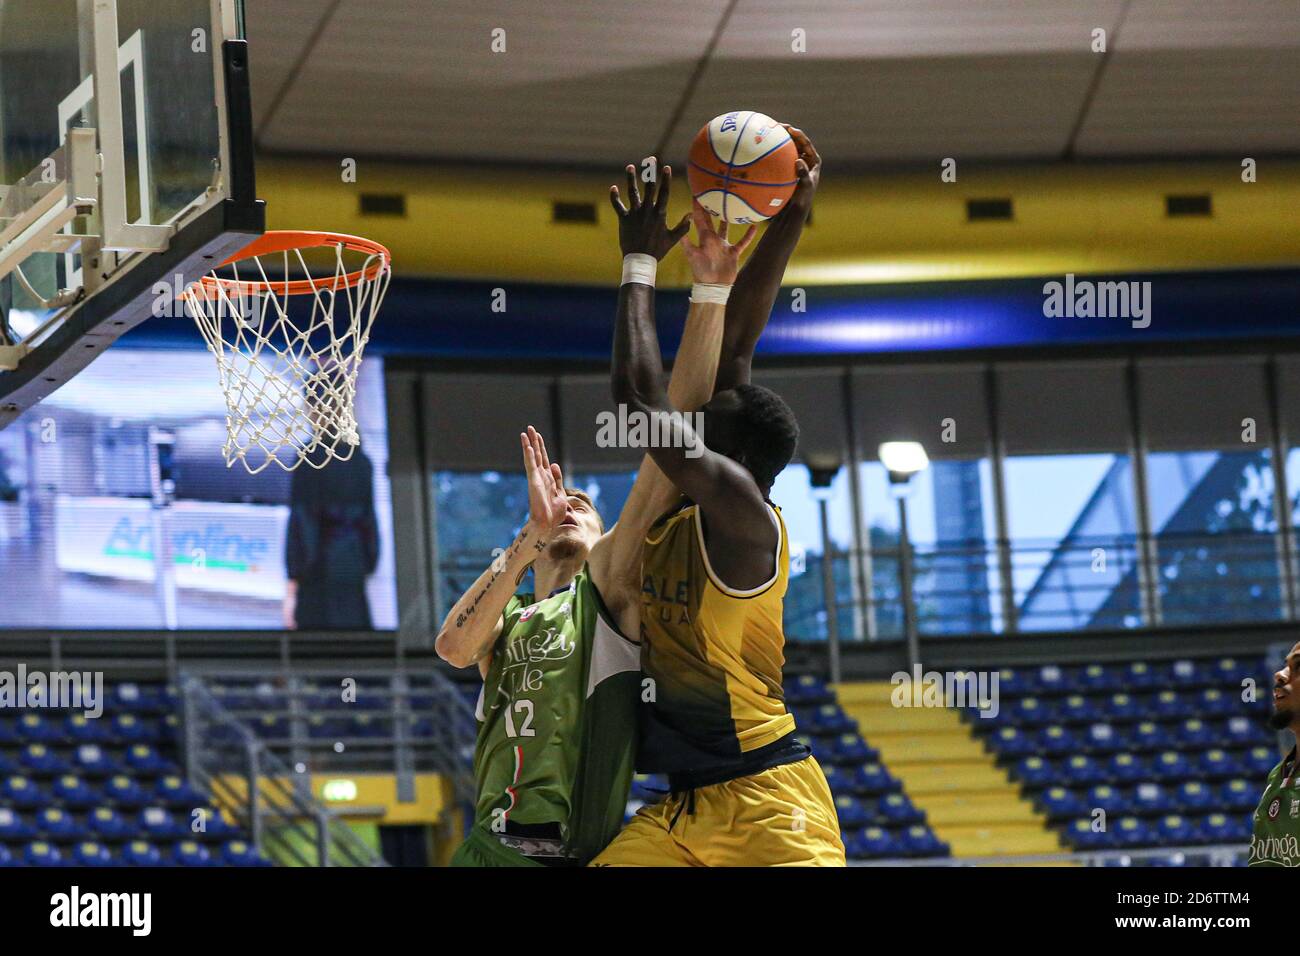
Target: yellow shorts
783,816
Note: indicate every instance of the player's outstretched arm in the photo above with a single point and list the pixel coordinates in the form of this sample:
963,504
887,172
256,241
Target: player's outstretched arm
759,282
723,488
615,561
474,623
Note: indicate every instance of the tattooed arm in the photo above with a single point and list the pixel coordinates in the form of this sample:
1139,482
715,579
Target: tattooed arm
474,622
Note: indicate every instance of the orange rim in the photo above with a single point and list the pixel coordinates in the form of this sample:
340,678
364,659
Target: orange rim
285,240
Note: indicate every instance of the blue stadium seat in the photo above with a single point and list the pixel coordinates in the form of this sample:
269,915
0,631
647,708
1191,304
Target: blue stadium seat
1079,709
78,729
1261,760
873,779
145,759
1052,679
1057,740
1131,832
173,791
831,719
1013,742
1239,795
1030,712
919,841
1096,678
241,853
1138,675
808,690
1059,803
1218,828
35,728
159,822
1147,735
38,758
1126,768
1080,835
90,853
1175,829
876,843
8,731
125,791
130,729
6,857
1243,731
649,787
1195,734
1123,707
73,792
21,792
1013,683
850,749
1082,771
1151,799
90,760
1186,674
1217,763
1212,702
42,853
838,779
1193,797
897,810
109,824
1169,705
14,827
851,811
1101,738
1111,799
58,824
142,853
191,853
1170,765
1034,772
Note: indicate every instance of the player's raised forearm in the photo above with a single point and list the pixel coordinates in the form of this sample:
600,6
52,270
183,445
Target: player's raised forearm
471,625
637,371
754,294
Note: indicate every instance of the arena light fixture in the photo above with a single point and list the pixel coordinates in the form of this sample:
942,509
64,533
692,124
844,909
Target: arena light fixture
903,459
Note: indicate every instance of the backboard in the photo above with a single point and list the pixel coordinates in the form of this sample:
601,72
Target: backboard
126,160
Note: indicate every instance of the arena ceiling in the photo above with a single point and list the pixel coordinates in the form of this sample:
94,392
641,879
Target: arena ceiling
587,82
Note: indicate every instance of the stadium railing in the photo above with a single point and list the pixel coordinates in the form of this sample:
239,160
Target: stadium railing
253,785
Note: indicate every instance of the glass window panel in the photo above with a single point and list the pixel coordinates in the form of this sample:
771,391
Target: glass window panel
805,599
1072,524
951,526
1215,531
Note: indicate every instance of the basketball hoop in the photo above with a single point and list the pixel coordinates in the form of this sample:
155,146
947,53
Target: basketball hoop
287,318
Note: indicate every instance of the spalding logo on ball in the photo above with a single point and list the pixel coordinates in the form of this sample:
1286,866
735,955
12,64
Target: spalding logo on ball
742,166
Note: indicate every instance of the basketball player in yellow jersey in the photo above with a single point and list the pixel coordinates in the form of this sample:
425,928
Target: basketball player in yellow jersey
743,791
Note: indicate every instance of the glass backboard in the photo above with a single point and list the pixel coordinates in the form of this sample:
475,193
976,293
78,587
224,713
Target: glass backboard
125,162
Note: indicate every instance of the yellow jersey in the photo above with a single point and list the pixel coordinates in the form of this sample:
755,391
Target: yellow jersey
711,654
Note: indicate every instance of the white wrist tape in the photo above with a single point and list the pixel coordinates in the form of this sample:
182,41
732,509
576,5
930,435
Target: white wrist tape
711,292
639,267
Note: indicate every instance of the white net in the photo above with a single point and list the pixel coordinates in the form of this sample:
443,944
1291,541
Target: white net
288,332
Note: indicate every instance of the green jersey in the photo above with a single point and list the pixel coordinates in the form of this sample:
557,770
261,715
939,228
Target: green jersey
1276,841
557,719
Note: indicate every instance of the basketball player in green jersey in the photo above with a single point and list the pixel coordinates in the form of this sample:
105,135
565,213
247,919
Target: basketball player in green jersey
561,666
1276,840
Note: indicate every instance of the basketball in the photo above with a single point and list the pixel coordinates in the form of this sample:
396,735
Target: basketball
742,166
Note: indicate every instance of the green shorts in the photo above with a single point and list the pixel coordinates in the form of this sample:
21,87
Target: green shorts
481,849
